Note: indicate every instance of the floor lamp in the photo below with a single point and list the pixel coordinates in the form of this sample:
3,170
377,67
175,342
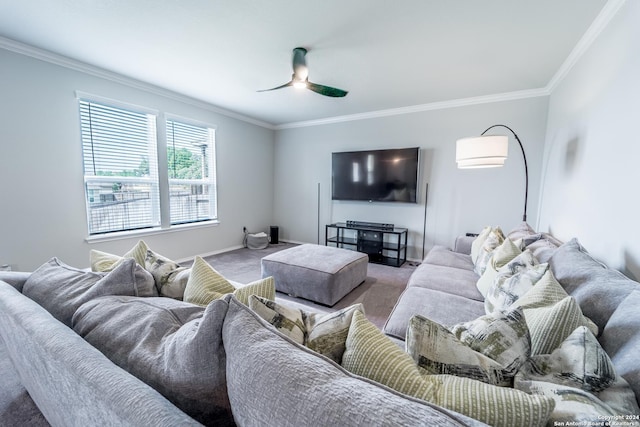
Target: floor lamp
489,151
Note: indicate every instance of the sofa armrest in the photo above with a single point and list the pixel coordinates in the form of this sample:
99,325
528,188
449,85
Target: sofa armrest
463,244
15,278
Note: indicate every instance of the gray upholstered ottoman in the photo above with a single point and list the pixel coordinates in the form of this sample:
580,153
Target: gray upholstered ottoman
318,273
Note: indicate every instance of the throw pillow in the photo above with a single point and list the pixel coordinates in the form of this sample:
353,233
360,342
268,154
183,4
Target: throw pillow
504,253
476,245
493,240
61,289
522,230
205,284
495,406
173,346
323,333
373,355
551,314
170,277
507,289
104,261
490,349
576,375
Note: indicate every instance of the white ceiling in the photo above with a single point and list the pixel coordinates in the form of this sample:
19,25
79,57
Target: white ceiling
387,54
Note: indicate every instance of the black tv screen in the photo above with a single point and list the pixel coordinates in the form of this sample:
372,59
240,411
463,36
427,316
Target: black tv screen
375,175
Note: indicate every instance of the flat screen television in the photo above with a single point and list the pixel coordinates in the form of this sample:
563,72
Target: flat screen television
375,175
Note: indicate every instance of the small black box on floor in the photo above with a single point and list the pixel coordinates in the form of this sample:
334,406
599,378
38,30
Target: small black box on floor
273,238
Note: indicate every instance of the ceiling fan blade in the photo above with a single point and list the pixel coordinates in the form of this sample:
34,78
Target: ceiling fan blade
326,90
279,87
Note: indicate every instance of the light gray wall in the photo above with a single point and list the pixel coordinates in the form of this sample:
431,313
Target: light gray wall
459,200
43,209
590,183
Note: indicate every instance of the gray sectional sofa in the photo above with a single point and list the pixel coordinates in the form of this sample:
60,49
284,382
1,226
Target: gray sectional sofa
148,360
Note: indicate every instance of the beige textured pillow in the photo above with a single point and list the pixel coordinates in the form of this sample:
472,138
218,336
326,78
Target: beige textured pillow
205,284
495,406
105,262
371,354
490,349
551,314
504,253
323,333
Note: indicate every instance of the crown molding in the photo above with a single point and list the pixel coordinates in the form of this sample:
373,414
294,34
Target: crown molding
598,25
63,61
464,102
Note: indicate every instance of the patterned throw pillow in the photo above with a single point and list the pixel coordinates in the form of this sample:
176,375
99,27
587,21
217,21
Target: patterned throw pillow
323,333
551,314
205,284
490,349
371,354
493,240
476,245
504,253
513,280
170,277
104,261
581,379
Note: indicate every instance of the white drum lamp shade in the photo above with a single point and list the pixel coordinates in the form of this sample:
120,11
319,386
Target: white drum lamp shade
482,151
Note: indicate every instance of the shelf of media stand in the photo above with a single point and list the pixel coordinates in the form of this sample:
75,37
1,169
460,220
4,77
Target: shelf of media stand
384,246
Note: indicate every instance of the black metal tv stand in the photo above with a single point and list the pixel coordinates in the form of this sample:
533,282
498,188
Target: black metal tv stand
384,243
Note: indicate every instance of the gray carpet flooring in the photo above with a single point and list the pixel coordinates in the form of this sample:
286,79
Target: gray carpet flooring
378,295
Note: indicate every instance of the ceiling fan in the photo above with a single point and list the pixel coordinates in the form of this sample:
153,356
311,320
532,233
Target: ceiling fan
300,77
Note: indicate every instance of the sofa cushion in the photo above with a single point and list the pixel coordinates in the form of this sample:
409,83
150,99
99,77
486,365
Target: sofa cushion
551,314
454,281
323,333
490,349
621,340
205,284
439,255
295,386
61,289
173,346
372,355
441,307
582,380
597,289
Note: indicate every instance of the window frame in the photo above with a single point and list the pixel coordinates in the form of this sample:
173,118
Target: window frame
163,180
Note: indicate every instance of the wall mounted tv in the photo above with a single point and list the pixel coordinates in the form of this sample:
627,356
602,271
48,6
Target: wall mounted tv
375,175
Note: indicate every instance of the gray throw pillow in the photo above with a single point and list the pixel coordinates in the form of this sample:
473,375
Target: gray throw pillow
61,289
173,346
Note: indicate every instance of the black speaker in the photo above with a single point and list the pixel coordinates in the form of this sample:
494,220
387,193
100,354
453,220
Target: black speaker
273,238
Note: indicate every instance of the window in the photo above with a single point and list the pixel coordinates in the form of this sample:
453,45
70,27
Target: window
123,188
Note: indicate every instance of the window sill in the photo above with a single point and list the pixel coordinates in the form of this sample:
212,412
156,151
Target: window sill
121,235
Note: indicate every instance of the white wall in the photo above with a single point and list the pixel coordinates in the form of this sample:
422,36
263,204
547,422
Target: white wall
459,200
590,184
43,209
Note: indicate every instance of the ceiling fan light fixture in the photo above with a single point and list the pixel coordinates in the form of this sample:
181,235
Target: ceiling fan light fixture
298,84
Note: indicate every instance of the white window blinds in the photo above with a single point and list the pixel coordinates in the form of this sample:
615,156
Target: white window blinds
120,168
121,165
191,166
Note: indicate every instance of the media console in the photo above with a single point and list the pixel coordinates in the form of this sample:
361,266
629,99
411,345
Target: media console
384,243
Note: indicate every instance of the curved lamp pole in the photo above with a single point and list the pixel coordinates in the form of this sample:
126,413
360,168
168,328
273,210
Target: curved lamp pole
490,151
